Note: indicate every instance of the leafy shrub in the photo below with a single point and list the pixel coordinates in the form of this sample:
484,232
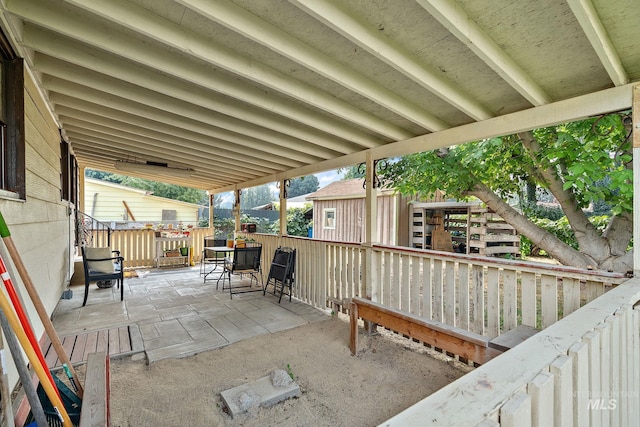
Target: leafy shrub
561,229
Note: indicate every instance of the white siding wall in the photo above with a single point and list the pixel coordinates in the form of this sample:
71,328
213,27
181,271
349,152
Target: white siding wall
40,227
109,207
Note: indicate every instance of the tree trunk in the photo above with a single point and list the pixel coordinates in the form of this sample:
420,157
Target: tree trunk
555,247
608,251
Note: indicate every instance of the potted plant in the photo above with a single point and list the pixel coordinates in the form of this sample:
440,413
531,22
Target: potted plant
240,242
230,240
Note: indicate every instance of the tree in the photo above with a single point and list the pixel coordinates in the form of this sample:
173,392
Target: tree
303,185
567,160
352,172
256,196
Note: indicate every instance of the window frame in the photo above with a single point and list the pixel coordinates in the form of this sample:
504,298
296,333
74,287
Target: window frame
12,155
326,220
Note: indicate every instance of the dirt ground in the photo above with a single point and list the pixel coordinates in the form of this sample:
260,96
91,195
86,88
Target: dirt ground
389,374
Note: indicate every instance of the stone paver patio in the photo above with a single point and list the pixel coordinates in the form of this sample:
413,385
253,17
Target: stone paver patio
172,313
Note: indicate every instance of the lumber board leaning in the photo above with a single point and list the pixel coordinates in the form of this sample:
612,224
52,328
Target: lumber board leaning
95,402
463,343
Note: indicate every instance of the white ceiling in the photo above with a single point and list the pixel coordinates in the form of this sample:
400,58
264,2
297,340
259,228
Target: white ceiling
249,91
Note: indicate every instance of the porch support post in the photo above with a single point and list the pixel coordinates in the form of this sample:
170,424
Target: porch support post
236,211
636,177
371,232
81,171
212,229
283,207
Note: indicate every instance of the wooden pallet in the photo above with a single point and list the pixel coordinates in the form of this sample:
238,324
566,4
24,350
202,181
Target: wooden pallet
114,342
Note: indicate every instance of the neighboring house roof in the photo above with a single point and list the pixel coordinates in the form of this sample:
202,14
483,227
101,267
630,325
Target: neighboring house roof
292,202
144,193
344,189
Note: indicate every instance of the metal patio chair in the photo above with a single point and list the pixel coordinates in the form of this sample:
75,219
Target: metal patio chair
245,261
100,265
282,272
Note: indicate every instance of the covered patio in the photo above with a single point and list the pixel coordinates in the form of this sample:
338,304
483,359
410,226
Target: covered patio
171,313
228,95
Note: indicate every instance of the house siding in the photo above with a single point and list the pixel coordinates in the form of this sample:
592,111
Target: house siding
145,208
40,227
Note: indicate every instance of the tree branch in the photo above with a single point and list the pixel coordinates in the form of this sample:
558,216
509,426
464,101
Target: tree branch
559,250
588,237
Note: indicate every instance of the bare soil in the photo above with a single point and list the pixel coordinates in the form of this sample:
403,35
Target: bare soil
389,374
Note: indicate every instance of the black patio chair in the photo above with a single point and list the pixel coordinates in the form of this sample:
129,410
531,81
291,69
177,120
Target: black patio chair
245,261
282,272
211,258
100,265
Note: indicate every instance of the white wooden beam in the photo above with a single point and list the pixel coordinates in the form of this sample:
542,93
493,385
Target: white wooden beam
148,25
87,122
239,20
165,119
86,58
162,135
282,144
374,43
453,17
581,107
591,24
227,170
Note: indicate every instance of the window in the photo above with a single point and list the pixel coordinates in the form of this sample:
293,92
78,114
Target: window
12,153
68,174
329,218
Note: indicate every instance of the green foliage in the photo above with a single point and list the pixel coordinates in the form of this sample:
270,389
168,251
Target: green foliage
561,229
303,185
584,154
256,196
352,172
226,226
297,224
540,211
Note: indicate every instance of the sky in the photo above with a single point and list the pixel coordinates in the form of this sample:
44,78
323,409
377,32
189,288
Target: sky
324,179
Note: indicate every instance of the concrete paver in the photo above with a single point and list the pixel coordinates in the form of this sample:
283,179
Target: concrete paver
176,315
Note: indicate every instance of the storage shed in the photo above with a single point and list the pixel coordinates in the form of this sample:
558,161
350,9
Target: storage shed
339,214
461,227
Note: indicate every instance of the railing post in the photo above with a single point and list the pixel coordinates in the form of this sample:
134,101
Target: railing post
371,233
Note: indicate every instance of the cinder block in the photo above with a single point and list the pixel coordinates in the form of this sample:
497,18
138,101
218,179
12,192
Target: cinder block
264,392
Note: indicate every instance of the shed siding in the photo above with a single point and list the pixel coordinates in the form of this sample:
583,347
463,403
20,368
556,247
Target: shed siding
350,219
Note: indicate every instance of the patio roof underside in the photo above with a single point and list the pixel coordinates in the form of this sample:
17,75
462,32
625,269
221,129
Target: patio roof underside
246,92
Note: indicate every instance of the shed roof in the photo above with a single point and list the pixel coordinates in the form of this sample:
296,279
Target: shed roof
343,189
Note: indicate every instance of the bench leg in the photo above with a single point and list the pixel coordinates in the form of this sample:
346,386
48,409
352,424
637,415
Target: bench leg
353,314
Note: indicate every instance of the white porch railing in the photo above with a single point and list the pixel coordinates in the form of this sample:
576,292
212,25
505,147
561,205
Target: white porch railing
138,245
584,370
485,295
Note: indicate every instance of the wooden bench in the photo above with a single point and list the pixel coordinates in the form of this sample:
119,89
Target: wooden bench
95,401
465,344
